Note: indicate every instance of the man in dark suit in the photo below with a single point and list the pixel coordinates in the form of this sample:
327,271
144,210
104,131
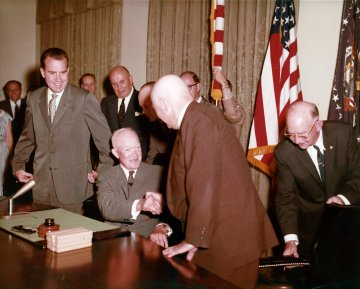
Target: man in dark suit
210,188
161,137
308,179
59,120
128,194
123,109
15,106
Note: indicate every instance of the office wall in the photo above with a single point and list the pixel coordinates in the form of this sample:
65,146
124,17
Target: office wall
18,52
318,35
134,38
318,32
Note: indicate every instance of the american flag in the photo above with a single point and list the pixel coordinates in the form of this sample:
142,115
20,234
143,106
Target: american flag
345,93
278,87
217,41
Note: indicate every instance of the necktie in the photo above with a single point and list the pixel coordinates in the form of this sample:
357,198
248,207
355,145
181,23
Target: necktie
320,159
130,181
17,109
52,107
121,112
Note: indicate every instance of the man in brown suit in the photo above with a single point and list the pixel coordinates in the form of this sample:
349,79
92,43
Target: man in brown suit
210,188
59,120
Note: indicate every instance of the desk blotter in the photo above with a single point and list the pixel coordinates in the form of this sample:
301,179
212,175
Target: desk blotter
65,219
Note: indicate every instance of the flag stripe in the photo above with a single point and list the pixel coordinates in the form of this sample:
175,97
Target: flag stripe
279,85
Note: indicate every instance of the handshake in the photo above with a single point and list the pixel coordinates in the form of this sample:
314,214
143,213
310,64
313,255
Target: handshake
152,202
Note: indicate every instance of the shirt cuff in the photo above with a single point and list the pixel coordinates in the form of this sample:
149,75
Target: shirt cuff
344,199
291,237
134,213
168,228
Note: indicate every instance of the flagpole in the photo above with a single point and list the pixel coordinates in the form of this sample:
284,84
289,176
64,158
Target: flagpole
217,42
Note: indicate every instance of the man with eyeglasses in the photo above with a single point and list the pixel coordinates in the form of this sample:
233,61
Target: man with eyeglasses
233,112
318,163
192,82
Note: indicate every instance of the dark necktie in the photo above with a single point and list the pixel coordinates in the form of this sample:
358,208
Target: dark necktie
17,110
320,159
121,112
130,181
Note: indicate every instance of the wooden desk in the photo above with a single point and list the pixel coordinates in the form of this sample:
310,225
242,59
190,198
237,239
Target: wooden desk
129,262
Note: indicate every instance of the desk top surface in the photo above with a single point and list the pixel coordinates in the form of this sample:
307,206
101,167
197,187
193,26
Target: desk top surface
128,262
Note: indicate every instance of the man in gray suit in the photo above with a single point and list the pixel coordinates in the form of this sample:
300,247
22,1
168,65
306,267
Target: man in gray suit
59,120
128,194
318,164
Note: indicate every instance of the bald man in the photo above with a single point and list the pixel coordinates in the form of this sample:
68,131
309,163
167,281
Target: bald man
305,185
128,194
122,109
210,189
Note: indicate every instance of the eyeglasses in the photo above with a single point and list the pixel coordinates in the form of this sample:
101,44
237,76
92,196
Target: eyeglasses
191,85
302,136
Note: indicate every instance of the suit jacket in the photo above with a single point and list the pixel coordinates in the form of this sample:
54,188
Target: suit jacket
62,149
211,191
132,118
115,202
161,142
18,122
301,195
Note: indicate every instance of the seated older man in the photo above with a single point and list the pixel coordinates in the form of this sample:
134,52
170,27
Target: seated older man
128,194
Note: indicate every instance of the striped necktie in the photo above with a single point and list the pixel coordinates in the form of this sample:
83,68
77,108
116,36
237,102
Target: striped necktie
52,106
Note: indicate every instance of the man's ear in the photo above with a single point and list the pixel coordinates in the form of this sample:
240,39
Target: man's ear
42,71
114,152
319,125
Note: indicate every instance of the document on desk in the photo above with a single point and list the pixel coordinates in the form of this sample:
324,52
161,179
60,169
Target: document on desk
66,220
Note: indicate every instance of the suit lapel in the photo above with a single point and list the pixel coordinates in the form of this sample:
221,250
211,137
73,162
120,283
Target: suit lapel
64,103
8,107
43,106
123,182
114,111
304,158
329,154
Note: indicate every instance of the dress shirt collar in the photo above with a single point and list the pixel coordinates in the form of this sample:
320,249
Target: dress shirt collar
12,105
126,171
319,143
313,152
181,115
59,95
127,99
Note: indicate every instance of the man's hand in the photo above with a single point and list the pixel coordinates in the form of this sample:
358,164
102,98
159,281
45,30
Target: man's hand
23,176
181,248
219,76
159,236
291,249
92,177
152,202
335,200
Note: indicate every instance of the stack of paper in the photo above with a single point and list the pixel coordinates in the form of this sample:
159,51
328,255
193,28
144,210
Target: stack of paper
70,239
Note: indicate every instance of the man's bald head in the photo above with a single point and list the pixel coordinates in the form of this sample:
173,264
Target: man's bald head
121,81
303,109
303,124
169,96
